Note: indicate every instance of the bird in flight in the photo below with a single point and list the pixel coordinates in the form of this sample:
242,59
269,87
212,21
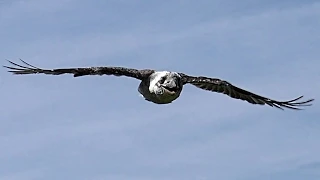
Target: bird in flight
163,87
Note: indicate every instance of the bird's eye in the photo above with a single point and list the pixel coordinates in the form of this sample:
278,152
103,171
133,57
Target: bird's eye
162,80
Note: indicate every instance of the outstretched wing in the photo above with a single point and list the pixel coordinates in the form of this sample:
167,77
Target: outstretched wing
220,86
116,71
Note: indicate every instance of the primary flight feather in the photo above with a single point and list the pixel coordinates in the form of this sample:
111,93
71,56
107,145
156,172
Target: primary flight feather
163,87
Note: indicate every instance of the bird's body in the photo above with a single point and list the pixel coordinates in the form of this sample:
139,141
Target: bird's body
164,87
152,89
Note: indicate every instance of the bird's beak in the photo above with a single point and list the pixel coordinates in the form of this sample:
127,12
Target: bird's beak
170,90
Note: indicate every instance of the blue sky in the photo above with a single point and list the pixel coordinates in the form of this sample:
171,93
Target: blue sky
97,128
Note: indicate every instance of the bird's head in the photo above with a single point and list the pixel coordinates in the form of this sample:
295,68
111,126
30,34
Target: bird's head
168,82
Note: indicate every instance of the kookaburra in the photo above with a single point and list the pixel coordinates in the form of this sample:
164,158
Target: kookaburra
163,87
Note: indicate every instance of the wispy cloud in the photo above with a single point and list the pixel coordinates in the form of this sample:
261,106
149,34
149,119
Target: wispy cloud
27,174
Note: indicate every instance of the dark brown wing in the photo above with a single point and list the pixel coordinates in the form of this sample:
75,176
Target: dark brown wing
116,71
220,86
